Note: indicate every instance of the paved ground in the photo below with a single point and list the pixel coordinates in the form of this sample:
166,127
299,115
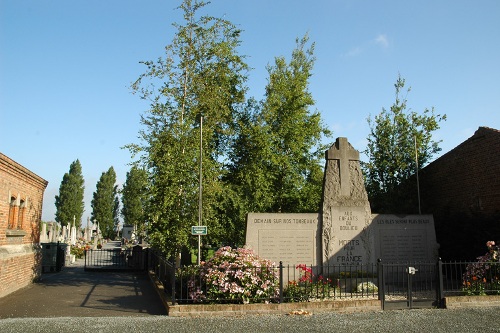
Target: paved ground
481,320
76,293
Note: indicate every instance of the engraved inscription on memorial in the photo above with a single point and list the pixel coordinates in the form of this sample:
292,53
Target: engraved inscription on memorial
287,245
409,238
348,247
290,238
407,246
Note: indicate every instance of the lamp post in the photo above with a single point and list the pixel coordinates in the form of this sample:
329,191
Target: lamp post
200,201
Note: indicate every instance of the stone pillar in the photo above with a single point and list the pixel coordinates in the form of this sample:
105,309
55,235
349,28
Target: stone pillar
345,214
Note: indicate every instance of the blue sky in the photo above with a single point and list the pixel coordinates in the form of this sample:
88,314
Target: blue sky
66,68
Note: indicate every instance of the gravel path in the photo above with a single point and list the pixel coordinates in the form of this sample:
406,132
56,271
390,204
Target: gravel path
428,320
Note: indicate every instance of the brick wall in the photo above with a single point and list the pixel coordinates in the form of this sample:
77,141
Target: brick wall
21,200
462,190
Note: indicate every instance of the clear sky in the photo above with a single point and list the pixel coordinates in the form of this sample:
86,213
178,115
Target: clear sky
66,68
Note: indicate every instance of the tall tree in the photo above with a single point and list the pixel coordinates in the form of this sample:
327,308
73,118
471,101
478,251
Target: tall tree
69,203
284,138
103,203
295,132
134,198
200,75
391,153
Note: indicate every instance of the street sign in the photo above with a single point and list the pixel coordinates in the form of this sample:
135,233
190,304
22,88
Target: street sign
199,230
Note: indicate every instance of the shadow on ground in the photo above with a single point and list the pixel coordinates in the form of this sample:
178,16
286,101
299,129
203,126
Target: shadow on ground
76,293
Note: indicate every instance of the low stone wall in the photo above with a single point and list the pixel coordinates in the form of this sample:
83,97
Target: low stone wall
454,302
210,310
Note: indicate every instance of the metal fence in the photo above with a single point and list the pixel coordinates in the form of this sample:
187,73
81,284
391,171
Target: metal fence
396,285
130,259
187,284
470,278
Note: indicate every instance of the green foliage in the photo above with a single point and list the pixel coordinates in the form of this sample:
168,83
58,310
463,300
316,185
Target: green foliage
134,198
256,156
201,74
104,203
277,153
391,153
69,203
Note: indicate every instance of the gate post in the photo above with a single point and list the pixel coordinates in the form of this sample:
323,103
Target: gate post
173,281
281,282
380,282
409,274
439,286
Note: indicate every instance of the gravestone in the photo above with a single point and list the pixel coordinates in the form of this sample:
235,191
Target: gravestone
64,233
43,234
345,213
290,238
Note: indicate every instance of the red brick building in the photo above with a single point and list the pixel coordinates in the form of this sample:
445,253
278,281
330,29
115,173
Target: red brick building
21,199
462,190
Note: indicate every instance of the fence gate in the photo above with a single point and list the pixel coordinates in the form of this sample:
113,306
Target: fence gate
135,259
409,286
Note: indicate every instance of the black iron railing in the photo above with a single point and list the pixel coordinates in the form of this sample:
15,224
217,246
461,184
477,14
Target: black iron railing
408,283
129,259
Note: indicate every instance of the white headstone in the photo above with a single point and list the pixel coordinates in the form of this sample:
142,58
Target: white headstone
73,235
43,234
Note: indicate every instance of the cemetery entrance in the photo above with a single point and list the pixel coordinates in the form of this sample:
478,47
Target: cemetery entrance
117,259
408,285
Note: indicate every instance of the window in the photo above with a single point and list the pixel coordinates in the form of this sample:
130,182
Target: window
20,217
12,212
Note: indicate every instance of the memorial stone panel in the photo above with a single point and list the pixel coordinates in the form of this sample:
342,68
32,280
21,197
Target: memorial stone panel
410,238
290,238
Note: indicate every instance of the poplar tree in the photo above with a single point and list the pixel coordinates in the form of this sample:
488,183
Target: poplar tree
278,153
69,203
400,143
200,75
134,198
295,131
104,210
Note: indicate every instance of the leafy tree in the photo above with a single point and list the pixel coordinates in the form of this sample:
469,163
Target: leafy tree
200,75
134,198
391,153
295,132
278,154
69,203
103,203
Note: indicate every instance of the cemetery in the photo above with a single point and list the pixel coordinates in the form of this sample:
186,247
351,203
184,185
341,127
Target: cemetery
343,257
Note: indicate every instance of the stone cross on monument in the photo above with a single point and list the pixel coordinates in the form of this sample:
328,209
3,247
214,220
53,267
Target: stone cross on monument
344,155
